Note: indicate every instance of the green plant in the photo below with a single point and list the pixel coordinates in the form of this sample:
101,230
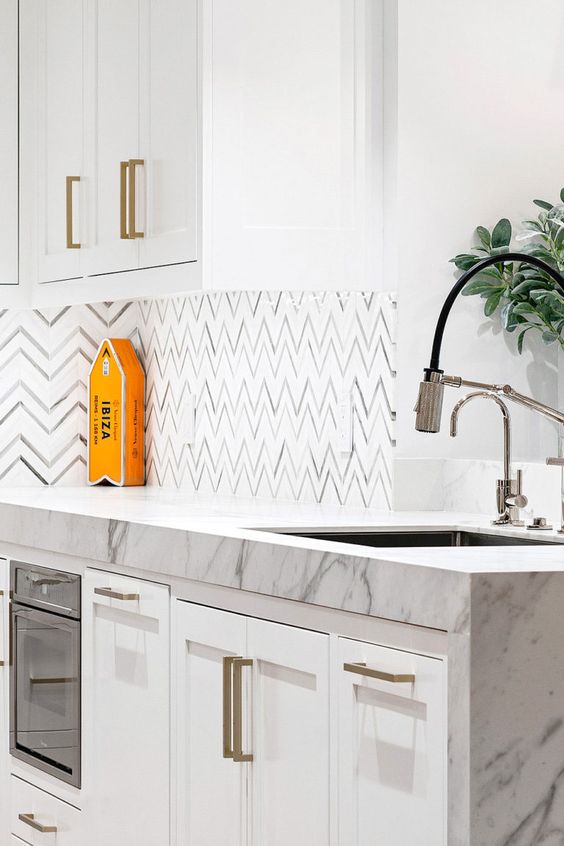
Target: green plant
525,297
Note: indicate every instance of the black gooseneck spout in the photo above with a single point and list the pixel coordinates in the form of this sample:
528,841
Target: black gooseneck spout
430,400
463,281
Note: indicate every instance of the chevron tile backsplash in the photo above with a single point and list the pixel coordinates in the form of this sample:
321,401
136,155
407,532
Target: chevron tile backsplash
266,370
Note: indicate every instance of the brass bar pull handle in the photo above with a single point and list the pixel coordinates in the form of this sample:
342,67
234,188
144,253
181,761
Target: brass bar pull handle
53,680
133,165
238,754
71,244
227,707
393,678
123,234
29,819
115,594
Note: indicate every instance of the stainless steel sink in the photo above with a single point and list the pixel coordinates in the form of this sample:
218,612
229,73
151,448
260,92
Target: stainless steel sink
437,537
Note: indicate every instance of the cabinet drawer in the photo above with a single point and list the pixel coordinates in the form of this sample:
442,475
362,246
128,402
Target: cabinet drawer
47,811
135,596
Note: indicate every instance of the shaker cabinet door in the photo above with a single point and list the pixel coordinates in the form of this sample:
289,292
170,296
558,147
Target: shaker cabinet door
211,788
168,131
126,676
392,747
290,735
52,187
112,132
9,143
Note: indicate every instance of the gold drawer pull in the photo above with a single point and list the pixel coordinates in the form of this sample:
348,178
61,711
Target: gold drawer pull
133,164
71,245
53,680
114,594
2,662
238,754
227,709
123,200
393,678
29,819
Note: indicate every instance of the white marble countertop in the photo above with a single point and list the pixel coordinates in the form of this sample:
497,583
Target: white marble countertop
262,520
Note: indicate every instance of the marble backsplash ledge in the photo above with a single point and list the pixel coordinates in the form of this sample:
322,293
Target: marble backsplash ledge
266,372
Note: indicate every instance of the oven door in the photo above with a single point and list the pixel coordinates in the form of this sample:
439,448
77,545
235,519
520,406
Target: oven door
45,692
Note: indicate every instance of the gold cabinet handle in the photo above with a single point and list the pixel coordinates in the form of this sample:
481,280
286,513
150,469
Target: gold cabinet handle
71,245
53,680
123,166
114,594
227,707
29,819
133,165
393,678
238,754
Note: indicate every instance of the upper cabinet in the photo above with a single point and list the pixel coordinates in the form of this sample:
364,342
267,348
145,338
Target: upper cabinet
9,150
109,148
293,144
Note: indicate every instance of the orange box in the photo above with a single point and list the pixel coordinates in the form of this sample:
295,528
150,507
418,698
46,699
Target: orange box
116,415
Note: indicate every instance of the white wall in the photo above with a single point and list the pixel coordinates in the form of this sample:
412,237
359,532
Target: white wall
480,129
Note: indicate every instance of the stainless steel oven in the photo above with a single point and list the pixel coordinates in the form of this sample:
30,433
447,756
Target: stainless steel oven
45,670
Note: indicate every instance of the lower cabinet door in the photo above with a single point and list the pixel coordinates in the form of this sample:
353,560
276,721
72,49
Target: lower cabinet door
38,818
211,788
290,736
126,672
392,747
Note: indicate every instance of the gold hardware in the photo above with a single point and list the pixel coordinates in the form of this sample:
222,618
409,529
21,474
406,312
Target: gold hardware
238,754
123,200
133,164
54,680
2,663
227,713
114,594
71,245
29,819
393,678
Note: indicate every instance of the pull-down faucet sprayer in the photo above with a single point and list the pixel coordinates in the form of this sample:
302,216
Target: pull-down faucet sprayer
431,390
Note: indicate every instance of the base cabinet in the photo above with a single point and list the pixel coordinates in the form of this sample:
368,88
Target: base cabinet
126,677
392,747
253,731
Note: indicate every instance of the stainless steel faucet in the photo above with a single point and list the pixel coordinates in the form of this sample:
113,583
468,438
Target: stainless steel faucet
509,495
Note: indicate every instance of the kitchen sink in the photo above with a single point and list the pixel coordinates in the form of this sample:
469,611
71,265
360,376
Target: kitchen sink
438,537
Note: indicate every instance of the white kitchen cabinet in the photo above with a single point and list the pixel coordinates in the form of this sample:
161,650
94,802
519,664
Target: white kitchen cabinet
38,817
8,149
126,676
4,702
142,136
52,188
392,747
109,152
293,143
270,711
211,794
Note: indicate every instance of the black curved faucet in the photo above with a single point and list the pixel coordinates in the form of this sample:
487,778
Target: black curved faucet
431,390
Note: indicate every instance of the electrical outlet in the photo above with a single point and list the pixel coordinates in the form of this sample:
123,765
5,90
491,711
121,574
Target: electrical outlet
187,423
345,423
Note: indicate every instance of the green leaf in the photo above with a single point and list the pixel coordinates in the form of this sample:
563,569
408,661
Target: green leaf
492,303
562,195
465,261
543,204
478,287
484,236
521,338
501,235
549,337
524,308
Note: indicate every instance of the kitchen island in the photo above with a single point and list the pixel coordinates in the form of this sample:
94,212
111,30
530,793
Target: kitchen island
491,617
